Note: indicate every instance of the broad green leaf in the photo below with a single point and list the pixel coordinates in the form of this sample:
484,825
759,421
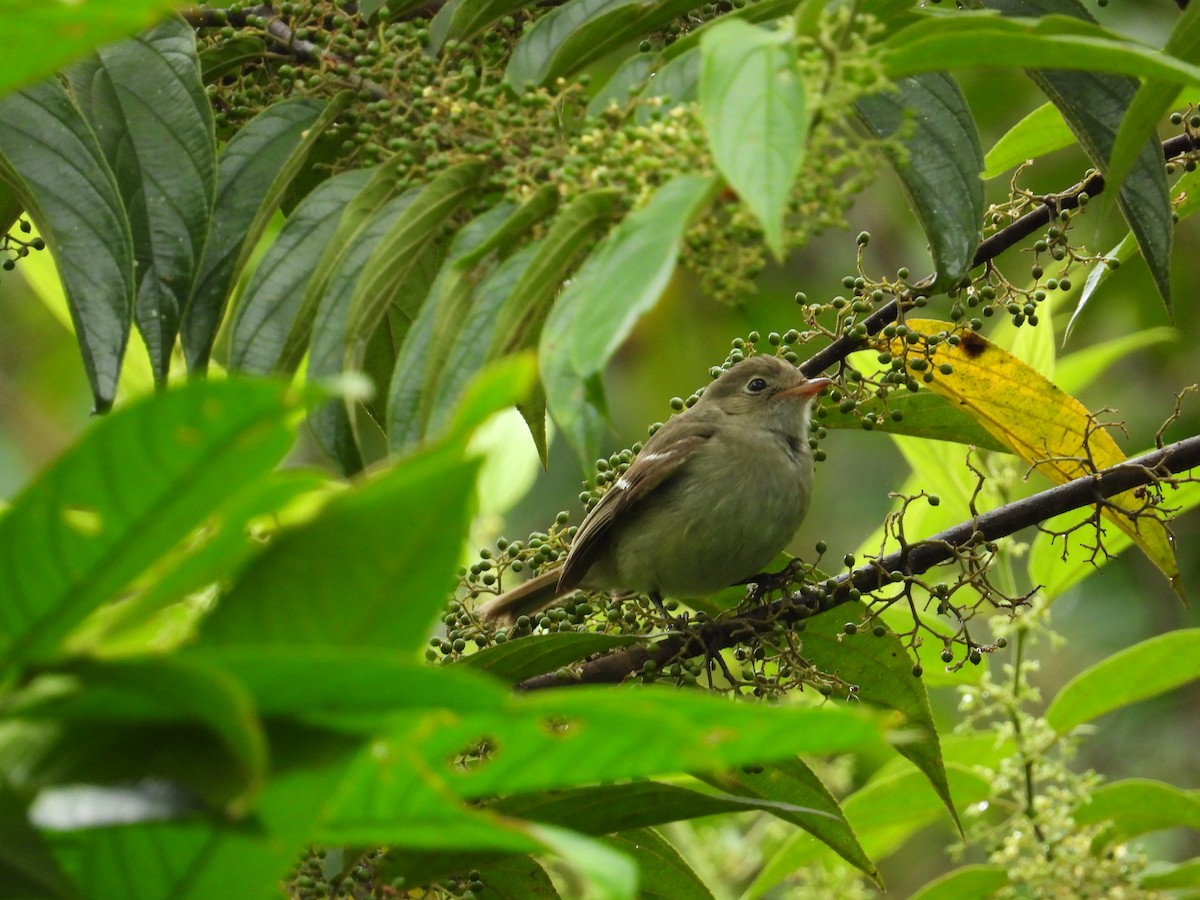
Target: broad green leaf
44,37
940,177
677,81
1045,426
753,107
516,878
359,574
663,873
882,669
762,11
137,483
230,56
884,814
924,415
1161,664
606,873
146,103
1121,253
559,739
514,661
1154,97
253,171
462,20
53,163
1139,806
1042,131
617,284
976,882
970,39
158,693
794,783
330,422
275,303
571,36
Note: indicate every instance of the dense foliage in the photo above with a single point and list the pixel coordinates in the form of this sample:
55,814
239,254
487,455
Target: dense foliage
357,234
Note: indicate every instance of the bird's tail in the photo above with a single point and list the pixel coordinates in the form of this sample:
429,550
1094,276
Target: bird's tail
527,598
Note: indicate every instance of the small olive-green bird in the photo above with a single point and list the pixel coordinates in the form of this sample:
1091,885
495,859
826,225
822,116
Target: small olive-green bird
715,494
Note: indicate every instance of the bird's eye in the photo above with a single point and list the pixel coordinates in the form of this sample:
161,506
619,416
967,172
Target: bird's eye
757,385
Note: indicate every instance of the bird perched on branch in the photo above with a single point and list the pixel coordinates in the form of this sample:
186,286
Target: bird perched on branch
715,494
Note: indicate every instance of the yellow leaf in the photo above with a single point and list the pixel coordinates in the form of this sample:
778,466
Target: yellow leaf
1044,425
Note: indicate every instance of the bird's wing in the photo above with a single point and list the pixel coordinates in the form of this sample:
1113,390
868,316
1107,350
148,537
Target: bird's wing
654,465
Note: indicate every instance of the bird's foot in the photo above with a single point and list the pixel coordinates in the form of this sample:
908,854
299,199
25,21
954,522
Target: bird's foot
764,583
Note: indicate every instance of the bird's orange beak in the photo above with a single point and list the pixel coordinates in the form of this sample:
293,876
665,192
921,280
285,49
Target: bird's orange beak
808,389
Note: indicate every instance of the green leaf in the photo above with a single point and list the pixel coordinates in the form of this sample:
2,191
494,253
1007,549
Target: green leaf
753,107
677,82
275,303
965,39
606,873
617,284
882,669
1162,663
138,482
663,874
1042,131
794,783
571,36
631,76
1139,806
156,692
1162,876
53,162
514,661
1121,253
924,415
516,878
462,20
938,166
884,814
1077,371
146,103
1154,97
253,171
230,56
762,11
391,579
977,882
44,37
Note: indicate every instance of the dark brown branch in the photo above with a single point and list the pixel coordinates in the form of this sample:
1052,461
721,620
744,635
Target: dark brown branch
988,250
916,558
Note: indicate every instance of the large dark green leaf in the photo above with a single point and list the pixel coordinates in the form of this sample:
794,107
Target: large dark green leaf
146,103
514,661
275,303
54,164
461,20
938,166
1094,105
27,868
253,172
753,107
663,874
579,32
361,574
136,484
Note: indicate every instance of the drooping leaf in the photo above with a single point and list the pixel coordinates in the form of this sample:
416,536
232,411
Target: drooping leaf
1046,427
516,660
253,171
938,167
54,164
146,103
275,303
1161,663
924,415
976,882
753,106
662,870
462,20
138,482
1138,806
